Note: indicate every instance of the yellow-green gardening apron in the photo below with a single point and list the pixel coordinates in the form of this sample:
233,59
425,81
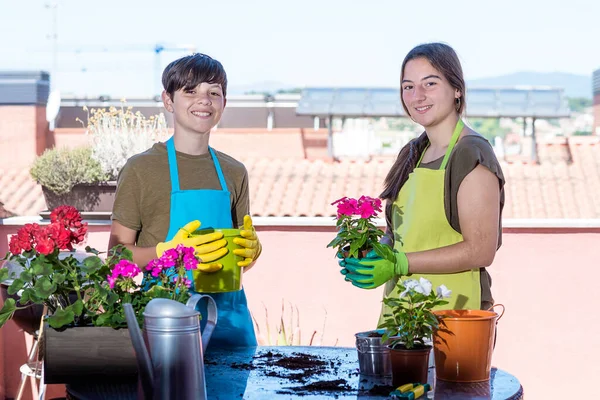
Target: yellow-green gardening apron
423,226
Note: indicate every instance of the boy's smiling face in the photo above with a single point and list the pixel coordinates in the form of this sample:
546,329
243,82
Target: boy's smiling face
198,109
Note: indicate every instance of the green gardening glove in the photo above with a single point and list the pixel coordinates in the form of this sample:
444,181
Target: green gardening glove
373,271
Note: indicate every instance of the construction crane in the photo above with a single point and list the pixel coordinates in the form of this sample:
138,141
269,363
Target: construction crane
157,49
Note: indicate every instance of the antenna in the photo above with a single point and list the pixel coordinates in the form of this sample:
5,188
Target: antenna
54,36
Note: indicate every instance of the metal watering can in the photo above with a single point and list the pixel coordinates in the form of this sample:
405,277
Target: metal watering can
170,353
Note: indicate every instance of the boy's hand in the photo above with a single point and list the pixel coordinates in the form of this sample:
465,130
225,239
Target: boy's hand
249,242
209,247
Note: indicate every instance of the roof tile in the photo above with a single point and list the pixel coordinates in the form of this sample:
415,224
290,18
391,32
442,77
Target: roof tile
565,184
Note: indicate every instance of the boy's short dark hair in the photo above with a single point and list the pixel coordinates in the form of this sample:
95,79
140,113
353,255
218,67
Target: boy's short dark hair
190,71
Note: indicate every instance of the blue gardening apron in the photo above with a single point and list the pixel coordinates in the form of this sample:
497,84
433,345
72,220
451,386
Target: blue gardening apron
213,209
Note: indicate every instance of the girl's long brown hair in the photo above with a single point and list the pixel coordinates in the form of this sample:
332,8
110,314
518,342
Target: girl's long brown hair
443,58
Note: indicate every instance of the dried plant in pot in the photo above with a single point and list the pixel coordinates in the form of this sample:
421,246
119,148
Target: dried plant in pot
409,324
85,177
117,133
73,177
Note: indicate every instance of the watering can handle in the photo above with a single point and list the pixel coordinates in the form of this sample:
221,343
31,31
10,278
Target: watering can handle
501,314
211,318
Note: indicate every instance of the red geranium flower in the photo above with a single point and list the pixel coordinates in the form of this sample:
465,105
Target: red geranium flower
65,229
45,246
69,218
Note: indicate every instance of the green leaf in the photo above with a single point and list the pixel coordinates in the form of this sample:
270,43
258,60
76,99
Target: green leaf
111,298
41,266
91,264
158,292
103,319
7,311
61,317
44,287
3,274
59,278
127,254
15,286
26,276
26,296
77,307
117,319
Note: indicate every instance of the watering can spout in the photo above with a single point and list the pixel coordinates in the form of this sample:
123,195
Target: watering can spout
141,352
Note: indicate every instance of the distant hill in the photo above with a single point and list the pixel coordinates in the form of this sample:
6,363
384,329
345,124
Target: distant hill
574,85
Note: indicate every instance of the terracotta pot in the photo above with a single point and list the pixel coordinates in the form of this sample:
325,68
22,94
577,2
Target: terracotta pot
361,254
464,343
409,366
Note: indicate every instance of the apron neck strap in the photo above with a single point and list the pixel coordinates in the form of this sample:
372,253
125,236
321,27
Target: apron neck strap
173,171
218,168
457,130
455,135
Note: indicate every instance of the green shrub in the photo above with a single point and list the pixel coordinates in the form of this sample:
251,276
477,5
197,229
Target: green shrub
60,169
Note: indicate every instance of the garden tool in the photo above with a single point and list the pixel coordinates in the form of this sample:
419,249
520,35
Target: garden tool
411,391
170,352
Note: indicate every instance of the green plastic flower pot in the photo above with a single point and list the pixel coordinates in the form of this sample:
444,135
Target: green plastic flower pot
229,278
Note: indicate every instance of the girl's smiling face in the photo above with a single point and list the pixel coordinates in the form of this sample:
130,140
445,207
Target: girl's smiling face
426,93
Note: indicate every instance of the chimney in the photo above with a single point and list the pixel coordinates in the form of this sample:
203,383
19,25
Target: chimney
23,125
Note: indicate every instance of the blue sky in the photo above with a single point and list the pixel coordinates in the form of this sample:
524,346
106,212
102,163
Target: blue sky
106,47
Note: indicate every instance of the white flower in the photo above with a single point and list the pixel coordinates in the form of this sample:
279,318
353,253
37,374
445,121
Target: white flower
409,284
424,287
443,292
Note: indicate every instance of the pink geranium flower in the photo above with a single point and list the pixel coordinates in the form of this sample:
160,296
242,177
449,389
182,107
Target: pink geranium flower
356,229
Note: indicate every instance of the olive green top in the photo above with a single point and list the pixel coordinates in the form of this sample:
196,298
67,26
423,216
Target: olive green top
470,151
143,198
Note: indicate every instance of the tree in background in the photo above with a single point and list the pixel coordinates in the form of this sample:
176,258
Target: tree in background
488,128
579,104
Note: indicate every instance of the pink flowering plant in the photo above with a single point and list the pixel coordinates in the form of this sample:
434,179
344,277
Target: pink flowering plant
357,233
81,288
163,277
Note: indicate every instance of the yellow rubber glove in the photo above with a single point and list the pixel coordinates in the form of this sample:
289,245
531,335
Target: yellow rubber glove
209,247
249,242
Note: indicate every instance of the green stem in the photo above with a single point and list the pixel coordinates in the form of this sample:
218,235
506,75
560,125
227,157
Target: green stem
66,266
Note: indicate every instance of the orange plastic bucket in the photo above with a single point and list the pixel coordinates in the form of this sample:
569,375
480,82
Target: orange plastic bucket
463,344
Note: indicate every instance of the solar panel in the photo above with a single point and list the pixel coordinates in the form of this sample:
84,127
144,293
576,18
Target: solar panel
349,102
385,102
